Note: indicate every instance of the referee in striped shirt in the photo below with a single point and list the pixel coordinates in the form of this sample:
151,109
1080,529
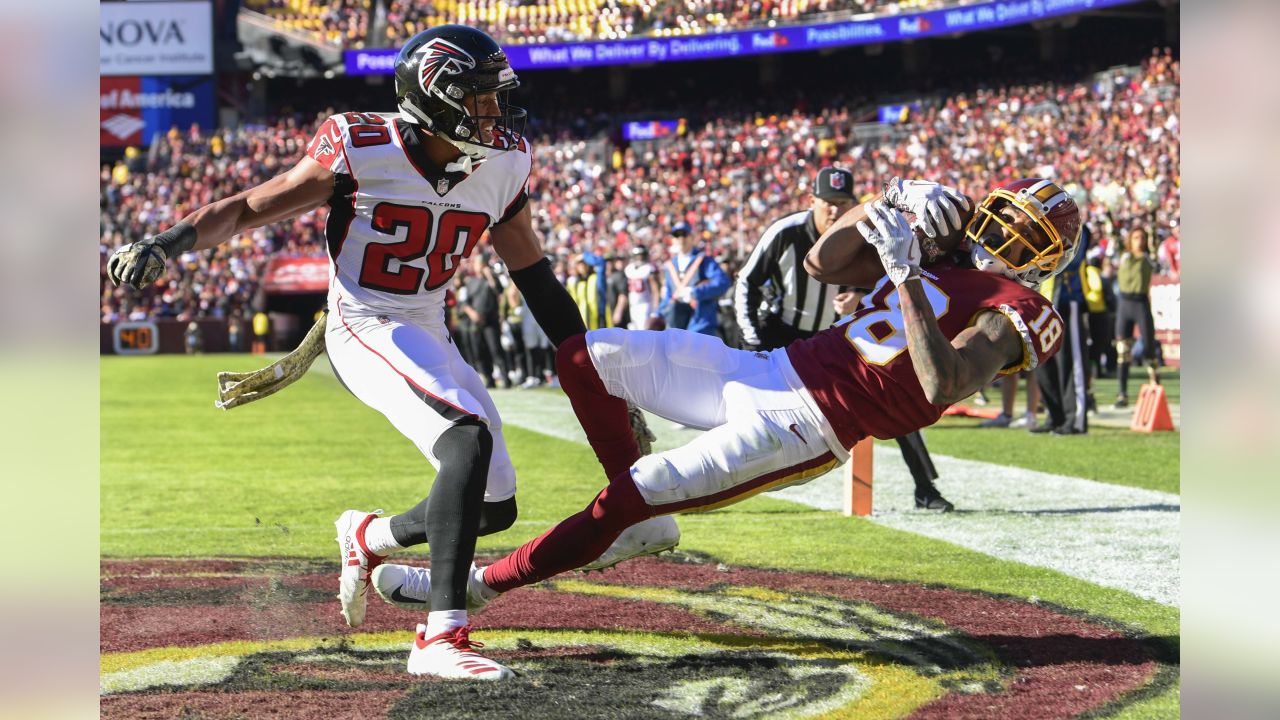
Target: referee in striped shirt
776,301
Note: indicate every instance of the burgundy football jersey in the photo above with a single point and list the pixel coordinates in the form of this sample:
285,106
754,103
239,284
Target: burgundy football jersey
860,373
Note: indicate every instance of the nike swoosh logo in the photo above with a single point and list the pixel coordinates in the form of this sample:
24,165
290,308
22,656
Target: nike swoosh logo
796,430
396,596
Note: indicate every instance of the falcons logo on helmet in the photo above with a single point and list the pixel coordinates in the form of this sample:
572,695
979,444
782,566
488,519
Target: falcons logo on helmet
439,56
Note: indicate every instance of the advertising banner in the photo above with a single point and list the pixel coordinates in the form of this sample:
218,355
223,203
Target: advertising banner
134,109
155,38
889,28
287,275
652,129
896,114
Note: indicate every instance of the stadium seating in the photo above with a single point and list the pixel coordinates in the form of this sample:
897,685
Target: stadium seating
342,23
348,23
1114,140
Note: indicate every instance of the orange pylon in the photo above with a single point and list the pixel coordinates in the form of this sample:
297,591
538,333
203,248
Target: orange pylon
857,479
1152,411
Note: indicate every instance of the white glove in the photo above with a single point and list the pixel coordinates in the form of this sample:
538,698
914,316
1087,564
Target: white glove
934,205
893,238
685,295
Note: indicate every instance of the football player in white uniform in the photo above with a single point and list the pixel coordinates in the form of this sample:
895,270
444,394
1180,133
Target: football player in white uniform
410,194
642,288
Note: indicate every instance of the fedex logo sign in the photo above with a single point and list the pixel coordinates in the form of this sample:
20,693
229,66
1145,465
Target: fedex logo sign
914,26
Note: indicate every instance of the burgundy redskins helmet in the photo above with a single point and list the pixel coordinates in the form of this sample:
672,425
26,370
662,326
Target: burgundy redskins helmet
1051,210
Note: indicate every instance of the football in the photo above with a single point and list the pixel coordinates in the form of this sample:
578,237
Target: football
937,248
863,268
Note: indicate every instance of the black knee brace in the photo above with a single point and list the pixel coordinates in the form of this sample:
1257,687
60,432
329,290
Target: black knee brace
460,450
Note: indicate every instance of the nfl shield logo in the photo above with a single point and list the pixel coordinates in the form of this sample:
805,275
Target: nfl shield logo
837,181
442,186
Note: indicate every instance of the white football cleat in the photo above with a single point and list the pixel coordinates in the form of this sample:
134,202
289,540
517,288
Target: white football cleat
655,535
357,561
409,587
449,655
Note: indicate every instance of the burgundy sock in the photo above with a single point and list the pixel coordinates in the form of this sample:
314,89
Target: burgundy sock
576,541
601,415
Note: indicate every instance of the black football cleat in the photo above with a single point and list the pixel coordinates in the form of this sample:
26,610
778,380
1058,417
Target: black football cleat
934,502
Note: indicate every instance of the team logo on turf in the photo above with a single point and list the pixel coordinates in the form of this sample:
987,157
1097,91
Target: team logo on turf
439,56
673,638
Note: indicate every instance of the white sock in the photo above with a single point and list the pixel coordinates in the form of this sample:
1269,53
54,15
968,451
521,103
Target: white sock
378,537
477,577
440,621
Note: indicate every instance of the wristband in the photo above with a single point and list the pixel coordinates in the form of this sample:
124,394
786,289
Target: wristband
177,239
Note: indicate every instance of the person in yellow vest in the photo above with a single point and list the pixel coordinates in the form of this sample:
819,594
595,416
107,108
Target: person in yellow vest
1099,299
585,291
261,325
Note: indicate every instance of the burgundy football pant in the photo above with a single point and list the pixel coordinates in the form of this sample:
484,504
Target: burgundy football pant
583,537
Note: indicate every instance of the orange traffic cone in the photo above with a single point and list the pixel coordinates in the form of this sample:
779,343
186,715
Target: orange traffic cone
1152,411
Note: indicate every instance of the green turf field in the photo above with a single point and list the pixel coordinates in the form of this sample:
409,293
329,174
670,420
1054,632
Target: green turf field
181,478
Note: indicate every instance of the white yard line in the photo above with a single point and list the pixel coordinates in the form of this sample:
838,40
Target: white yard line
1112,535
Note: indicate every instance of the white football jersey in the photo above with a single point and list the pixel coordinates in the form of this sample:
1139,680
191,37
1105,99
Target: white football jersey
639,292
397,231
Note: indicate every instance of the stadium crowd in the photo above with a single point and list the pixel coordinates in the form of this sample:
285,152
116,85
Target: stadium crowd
143,194
388,23
1113,138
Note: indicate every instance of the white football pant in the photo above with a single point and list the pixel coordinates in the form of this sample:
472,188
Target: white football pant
407,368
764,431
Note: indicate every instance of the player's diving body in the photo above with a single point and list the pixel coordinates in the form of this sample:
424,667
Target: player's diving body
410,195
923,339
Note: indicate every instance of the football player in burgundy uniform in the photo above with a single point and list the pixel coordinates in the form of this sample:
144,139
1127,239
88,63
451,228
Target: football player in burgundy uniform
410,195
923,339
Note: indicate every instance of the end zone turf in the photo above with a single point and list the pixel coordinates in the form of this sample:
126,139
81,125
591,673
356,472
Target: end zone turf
269,481
663,638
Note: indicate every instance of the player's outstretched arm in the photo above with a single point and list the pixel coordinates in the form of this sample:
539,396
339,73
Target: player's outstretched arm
304,187
950,371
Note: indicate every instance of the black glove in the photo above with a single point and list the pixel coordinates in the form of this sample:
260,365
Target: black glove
140,264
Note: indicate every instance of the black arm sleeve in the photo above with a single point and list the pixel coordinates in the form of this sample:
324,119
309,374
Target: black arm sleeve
549,302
